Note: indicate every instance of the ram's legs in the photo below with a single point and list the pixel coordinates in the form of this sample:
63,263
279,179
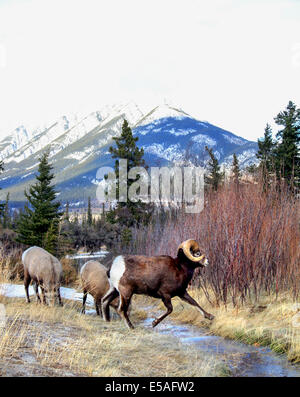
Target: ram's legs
187,298
27,280
123,308
167,302
36,288
83,301
108,297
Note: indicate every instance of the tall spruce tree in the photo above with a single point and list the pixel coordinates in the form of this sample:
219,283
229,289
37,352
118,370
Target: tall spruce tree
128,213
6,221
89,213
236,172
265,154
67,214
50,242
2,206
42,209
215,176
287,152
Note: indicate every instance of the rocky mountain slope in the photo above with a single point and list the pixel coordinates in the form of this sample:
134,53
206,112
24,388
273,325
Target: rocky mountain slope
79,145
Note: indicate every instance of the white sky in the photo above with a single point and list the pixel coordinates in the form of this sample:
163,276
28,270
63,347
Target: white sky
235,63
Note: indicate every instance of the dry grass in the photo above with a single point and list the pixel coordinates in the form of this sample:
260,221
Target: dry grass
272,322
60,341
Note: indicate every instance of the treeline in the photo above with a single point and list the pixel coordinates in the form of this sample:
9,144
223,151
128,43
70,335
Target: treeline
279,157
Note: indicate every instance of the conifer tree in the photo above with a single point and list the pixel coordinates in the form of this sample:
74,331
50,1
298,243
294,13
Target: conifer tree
236,173
6,223
128,213
42,210
51,238
89,213
1,170
67,215
287,152
265,154
215,176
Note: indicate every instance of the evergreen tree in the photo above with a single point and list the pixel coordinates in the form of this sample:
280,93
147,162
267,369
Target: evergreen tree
215,176
128,213
50,242
287,153
67,215
236,172
89,213
41,211
265,154
126,237
6,222
1,170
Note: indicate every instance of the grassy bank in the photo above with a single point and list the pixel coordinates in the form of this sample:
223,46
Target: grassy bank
273,322
44,341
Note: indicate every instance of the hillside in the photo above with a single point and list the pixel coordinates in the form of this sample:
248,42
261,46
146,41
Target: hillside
79,146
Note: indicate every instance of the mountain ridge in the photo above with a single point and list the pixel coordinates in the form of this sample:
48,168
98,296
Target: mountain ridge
78,146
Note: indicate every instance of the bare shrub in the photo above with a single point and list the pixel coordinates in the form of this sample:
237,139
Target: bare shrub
70,275
252,240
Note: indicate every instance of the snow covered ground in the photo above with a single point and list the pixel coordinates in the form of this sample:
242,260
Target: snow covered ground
18,291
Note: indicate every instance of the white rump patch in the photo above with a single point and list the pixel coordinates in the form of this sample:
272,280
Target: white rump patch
25,252
116,272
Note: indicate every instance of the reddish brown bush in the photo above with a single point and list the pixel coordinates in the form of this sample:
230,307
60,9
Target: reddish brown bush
252,240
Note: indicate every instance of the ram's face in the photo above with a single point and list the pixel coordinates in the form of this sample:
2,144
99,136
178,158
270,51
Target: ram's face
194,253
202,256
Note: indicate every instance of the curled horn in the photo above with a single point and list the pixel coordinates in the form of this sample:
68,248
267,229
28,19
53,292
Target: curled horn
190,246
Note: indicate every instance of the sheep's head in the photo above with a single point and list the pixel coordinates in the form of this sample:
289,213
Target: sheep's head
51,294
193,252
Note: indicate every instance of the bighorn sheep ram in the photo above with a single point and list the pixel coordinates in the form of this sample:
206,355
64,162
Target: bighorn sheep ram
46,271
158,276
95,282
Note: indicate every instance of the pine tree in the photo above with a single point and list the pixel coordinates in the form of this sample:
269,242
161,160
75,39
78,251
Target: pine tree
89,213
67,215
128,213
41,211
265,154
126,237
236,173
6,221
215,176
50,242
1,170
287,152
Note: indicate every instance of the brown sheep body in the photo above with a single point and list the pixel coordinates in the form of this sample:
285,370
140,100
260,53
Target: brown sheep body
161,277
45,271
95,282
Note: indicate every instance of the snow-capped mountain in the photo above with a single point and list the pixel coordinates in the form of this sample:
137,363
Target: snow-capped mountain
78,146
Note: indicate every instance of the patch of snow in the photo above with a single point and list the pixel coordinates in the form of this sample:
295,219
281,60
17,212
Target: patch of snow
181,132
203,139
18,291
232,139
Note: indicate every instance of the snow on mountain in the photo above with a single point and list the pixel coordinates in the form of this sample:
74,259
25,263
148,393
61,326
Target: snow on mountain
66,130
78,146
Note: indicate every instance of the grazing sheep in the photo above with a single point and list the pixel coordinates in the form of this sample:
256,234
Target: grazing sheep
95,282
158,276
46,271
